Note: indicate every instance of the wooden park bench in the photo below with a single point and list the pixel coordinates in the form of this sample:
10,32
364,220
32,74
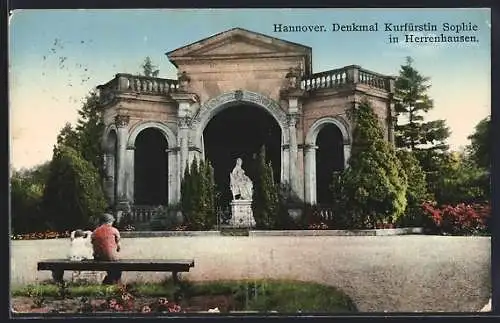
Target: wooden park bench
58,266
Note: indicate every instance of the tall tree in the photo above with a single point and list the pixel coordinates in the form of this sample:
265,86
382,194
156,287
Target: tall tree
149,69
89,128
480,146
265,200
373,187
198,195
86,136
426,139
411,130
73,194
210,194
67,136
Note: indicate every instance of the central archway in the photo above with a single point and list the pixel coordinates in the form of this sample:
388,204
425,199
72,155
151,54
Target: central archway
216,105
257,103
240,131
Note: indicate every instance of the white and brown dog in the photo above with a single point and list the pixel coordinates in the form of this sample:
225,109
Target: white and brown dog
81,246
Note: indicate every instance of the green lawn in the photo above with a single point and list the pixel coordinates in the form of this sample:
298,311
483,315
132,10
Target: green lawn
283,296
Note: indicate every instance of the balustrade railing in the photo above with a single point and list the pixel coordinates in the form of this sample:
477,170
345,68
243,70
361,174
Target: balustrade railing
137,84
345,75
318,215
315,215
142,213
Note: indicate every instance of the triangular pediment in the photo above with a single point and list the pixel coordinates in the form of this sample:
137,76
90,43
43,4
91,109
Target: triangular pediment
238,42
235,46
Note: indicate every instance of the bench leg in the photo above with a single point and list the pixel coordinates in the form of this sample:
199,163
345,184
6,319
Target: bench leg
175,277
58,275
112,277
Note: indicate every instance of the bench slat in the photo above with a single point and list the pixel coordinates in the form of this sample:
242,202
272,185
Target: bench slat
181,265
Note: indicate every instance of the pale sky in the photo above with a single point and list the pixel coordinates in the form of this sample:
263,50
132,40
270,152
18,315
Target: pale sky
57,56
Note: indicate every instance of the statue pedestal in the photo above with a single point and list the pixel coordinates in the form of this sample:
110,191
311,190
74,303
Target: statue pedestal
242,214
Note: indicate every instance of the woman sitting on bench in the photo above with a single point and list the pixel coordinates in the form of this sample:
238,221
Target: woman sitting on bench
106,244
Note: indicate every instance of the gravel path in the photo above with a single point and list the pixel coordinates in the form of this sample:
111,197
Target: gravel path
395,273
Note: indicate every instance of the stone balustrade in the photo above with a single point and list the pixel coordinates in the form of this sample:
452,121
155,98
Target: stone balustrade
142,213
126,83
346,75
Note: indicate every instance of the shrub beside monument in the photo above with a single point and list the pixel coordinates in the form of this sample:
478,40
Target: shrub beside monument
265,197
198,196
373,188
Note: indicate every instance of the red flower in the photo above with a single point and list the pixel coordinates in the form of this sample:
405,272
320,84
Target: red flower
127,296
460,218
174,308
112,302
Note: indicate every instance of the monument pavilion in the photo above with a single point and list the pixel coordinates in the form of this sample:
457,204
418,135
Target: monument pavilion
236,91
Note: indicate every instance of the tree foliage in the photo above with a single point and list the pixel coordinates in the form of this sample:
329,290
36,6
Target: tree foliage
26,192
411,130
373,188
426,139
149,69
73,193
265,200
480,146
460,181
86,136
198,195
417,192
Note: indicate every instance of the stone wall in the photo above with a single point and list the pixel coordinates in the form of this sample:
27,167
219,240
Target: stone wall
212,78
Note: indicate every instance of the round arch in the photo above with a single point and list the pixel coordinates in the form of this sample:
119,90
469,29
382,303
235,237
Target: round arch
215,105
310,151
171,139
316,127
223,101
162,127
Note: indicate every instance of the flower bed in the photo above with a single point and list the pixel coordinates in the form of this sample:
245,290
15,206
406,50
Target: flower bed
40,235
461,219
218,297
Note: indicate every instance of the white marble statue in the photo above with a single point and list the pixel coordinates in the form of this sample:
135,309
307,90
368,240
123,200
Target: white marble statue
240,183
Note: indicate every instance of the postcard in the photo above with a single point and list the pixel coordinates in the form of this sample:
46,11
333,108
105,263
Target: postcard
252,161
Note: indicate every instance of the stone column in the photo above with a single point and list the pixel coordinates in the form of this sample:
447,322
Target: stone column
121,122
109,180
129,173
347,154
348,144
183,143
184,114
285,163
174,184
292,92
310,173
293,153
